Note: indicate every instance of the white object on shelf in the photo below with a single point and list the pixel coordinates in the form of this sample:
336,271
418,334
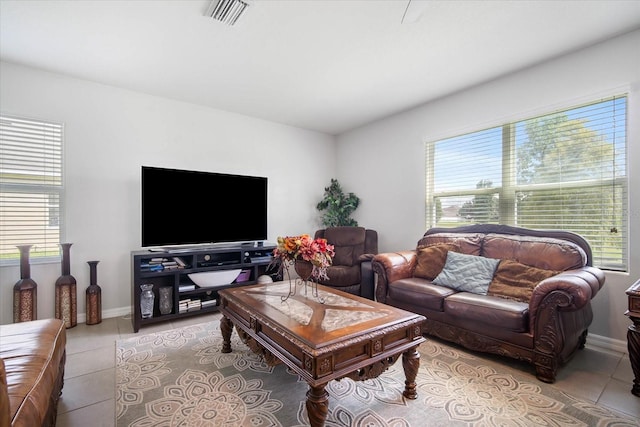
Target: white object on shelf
264,279
213,279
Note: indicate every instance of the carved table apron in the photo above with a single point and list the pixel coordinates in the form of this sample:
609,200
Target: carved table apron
334,336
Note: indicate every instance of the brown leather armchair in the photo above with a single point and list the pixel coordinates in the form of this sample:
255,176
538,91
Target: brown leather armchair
354,249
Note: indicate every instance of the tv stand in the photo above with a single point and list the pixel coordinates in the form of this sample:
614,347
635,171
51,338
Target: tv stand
186,250
170,267
209,247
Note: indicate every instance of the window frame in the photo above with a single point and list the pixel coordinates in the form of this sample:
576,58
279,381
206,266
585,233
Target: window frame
509,188
46,249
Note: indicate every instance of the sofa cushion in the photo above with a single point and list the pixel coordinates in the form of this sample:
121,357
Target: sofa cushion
342,275
468,273
431,259
490,311
348,242
469,243
516,281
419,292
343,255
540,252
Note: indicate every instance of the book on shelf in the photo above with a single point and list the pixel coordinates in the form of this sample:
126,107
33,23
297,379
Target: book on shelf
159,264
186,288
180,261
151,267
189,305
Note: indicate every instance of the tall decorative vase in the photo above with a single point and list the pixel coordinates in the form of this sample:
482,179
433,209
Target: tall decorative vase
94,296
25,291
66,299
146,300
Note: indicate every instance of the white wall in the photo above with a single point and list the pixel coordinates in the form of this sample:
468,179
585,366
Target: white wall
383,162
111,132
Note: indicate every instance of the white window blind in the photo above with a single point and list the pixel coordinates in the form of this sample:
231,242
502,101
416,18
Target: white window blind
31,186
565,170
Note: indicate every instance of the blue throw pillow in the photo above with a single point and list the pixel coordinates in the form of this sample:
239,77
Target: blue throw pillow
468,273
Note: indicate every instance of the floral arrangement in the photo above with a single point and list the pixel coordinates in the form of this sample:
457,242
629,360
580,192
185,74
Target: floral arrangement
317,251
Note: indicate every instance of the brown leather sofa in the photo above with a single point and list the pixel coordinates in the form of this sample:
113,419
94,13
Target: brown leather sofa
351,268
32,359
542,323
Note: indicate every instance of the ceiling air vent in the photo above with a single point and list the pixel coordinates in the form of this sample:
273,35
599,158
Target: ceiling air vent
226,11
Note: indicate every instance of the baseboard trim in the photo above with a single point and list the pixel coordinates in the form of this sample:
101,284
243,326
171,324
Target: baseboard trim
107,314
599,342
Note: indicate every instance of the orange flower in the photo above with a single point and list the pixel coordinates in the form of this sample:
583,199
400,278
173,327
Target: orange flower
291,245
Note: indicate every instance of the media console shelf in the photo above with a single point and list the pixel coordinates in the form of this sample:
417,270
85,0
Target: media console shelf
171,269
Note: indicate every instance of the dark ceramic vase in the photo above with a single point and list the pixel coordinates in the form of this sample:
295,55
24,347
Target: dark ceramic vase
25,291
94,296
66,298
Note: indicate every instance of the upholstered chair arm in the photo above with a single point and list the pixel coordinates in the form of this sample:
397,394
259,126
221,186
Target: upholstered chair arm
392,266
368,280
366,257
571,289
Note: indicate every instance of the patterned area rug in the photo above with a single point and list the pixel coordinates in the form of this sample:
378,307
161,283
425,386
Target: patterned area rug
180,378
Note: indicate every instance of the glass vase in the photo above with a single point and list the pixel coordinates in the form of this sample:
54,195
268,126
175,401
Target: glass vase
166,299
146,301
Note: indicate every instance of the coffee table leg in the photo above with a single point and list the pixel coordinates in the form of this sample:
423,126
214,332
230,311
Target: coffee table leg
226,327
411,364
317,405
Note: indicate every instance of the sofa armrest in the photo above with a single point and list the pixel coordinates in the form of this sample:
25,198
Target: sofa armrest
392,266
365,257
577,286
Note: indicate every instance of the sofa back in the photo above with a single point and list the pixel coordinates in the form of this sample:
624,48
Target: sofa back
544,249
349,243
542,252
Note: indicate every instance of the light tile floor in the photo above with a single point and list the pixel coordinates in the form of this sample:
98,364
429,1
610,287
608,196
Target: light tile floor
88,395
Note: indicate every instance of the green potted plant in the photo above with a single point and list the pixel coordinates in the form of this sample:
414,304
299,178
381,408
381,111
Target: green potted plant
338,206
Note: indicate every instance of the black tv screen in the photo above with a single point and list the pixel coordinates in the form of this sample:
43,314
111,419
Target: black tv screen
183,207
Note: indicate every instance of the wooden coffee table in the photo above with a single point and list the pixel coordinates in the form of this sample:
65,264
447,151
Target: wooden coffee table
346,336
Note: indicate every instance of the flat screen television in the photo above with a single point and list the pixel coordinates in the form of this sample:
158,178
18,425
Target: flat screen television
184,207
